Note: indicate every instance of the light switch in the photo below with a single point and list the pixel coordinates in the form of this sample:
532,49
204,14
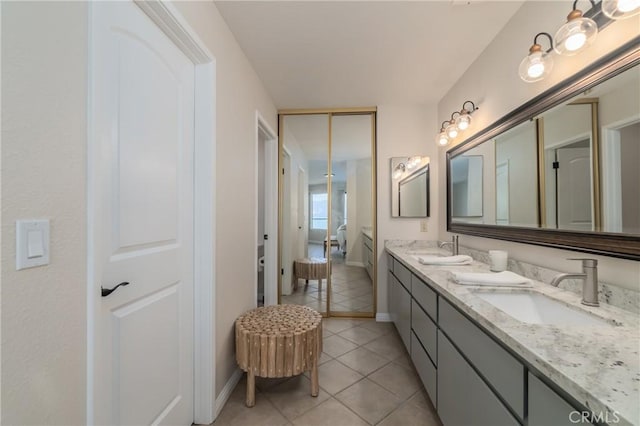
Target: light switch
32,243
35,246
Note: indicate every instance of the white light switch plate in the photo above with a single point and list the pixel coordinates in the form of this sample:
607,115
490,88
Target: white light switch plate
32,243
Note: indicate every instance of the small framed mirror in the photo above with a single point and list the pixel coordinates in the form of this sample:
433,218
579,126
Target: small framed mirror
410,186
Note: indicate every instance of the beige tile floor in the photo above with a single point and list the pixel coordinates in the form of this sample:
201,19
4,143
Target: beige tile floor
366,378
352,289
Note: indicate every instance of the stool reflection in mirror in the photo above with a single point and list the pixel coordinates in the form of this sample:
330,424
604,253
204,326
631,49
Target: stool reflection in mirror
314,268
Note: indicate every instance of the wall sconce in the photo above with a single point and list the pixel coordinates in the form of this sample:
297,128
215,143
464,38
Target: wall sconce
450,129
620,9
537,64
577,33
399,170
413,162
464,119
442,139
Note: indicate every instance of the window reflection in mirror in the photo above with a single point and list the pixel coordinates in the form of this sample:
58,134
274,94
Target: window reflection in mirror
410,186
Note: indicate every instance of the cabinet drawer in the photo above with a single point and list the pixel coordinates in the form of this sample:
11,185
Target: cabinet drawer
503,371
426,297
403,274
463,397
425,330
369,256
548,408
425,368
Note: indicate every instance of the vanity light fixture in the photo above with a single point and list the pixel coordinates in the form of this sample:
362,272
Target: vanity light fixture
327,175
399,170
459,122
538,63
464,119
620,9
414,161
577,33
452,128
442,139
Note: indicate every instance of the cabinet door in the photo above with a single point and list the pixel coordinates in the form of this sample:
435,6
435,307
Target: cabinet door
463,398
404,315
548,408
392,295
400,308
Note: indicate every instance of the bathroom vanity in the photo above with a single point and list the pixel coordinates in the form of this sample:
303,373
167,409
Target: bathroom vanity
482,366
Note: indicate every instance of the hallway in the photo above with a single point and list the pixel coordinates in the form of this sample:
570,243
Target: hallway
366,378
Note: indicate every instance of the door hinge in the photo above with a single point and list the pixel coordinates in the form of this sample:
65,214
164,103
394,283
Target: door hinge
266,236
283,170
282,271
556,165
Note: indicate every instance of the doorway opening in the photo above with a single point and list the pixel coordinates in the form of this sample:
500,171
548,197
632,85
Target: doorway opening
266,213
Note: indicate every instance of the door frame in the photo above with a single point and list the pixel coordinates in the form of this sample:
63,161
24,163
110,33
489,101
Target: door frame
271,210
171,22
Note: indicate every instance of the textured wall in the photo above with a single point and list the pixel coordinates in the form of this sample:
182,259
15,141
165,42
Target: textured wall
403,131
44,80
239,94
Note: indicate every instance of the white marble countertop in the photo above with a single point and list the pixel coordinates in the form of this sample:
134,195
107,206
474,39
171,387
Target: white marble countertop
597,365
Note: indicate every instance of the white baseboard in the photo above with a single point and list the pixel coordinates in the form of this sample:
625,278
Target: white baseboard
222,399
383,317
359,264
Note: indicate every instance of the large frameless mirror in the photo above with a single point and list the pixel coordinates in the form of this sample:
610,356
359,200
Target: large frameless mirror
327,213
563,169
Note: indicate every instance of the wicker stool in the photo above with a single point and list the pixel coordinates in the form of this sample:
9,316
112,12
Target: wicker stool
314,268
278,341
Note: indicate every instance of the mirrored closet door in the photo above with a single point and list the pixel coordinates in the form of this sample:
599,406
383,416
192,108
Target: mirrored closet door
327,211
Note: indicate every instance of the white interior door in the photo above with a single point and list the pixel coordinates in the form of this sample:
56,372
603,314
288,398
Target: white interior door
142,190
574,188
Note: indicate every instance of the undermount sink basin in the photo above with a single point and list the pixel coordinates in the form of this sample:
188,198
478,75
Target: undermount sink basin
535,308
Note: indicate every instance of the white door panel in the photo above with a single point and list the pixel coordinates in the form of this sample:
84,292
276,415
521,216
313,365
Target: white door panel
574,189
142,169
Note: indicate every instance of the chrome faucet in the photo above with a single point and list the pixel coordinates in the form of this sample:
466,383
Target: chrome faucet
589,277
453,243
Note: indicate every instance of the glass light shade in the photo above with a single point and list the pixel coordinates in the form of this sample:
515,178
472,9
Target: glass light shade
620,9
464,120
535,66
452,131
397,173
415,161
442,139
576,35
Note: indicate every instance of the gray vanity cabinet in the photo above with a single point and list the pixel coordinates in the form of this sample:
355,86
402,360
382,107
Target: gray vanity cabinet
471,379
492,361
463,397
546,407
399,292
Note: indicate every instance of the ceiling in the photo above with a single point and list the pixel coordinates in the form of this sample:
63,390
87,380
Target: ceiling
320,54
